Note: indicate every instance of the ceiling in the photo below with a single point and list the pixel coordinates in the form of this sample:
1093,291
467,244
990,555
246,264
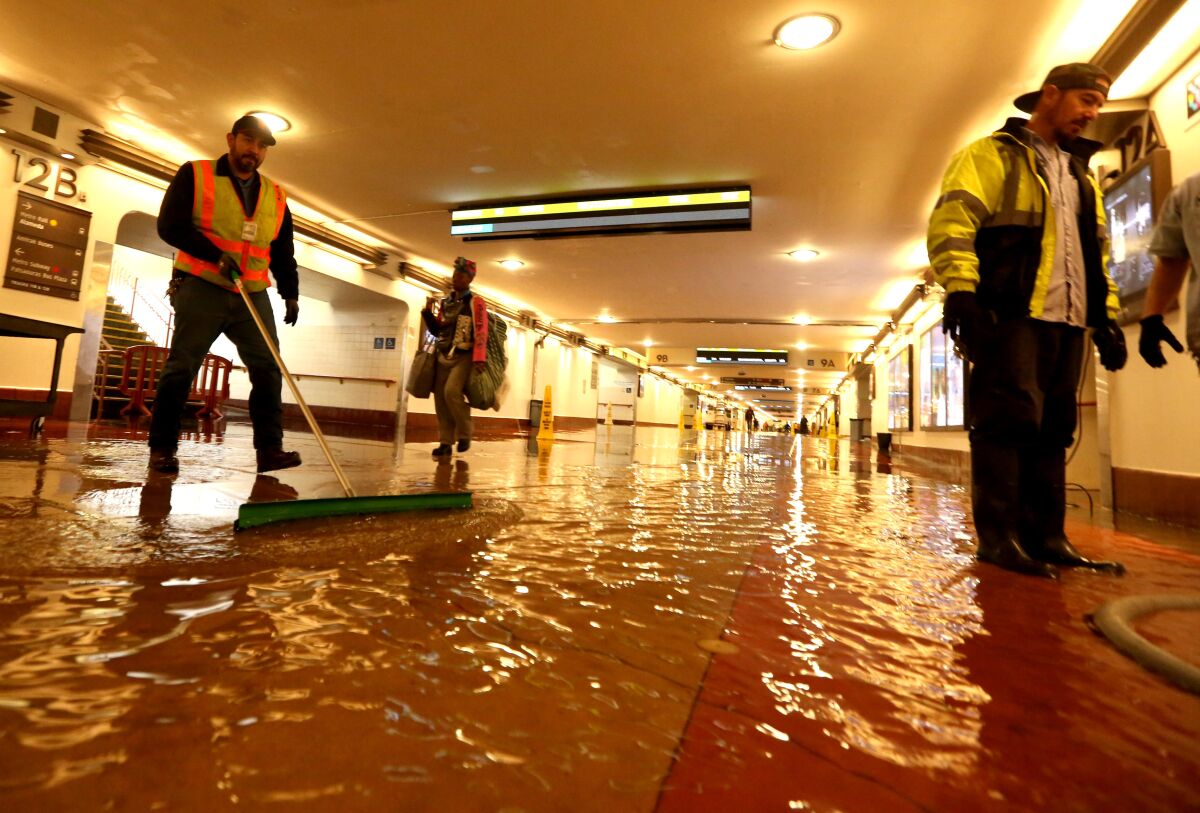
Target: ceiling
403,111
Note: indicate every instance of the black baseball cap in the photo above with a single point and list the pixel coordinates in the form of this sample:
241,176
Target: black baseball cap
255,127
1075,76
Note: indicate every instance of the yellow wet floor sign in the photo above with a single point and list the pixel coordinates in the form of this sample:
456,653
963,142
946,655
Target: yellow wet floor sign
546,429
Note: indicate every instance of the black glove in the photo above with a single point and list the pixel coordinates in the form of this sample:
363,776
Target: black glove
1154,332
228,267
1110,341
291,311
961,316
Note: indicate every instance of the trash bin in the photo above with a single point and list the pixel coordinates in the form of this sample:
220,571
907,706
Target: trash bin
857,427
535,413
885,442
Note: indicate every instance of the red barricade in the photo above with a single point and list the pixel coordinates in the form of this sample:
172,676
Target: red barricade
143,366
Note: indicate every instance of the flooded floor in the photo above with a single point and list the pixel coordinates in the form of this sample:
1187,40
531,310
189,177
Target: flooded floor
623,622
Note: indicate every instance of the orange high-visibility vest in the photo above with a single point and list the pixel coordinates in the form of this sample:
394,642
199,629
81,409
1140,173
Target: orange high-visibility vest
218,212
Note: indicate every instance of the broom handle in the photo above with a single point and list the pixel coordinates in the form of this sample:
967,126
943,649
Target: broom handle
308,416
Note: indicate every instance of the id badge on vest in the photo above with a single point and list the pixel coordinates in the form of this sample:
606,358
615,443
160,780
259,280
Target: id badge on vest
249,230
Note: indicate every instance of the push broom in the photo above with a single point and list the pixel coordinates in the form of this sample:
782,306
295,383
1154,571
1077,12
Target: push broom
251,515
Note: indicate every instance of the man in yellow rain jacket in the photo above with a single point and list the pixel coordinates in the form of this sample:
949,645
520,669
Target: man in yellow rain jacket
1018,240
224,216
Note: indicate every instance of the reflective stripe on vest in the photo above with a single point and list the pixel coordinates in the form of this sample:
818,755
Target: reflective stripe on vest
218,212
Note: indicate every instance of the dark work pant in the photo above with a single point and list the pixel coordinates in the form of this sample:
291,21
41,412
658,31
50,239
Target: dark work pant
1023,419
203,312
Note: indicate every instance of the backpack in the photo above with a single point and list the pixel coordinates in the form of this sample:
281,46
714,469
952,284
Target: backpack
483,387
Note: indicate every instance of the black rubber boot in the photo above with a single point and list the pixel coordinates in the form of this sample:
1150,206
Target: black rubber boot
995,502
443,450
1044,486
164,461
276,459
1060,551
464,444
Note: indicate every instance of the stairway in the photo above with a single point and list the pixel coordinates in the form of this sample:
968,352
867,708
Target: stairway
119,333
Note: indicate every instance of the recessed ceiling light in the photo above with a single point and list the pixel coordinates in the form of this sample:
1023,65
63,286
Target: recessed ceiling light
804,254
3,131
67,155
606,318
806,31
511,265
801,346
648,342
275,122
802,320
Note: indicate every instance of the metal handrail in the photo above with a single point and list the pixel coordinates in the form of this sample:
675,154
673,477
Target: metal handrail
341,379
126,286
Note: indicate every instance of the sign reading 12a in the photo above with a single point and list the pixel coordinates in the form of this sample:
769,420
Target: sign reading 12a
42,175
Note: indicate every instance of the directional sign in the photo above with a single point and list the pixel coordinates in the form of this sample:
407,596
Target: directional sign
48,246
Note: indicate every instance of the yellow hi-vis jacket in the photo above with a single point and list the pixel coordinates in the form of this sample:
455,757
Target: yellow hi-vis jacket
220,215
991,231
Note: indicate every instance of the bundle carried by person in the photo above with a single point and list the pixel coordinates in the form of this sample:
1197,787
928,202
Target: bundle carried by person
486,387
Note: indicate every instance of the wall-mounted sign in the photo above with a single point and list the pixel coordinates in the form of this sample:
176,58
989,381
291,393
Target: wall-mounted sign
49,243
1193,97
738,355
607,213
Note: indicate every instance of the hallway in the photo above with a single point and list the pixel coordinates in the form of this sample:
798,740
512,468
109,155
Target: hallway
622,622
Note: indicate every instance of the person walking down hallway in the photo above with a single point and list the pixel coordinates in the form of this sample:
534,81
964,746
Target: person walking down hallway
803,430
225,218
1019,242
461,327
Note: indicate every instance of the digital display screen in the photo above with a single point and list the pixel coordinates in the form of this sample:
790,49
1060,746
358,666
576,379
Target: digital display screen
1130,211
762,388
734,355
615,213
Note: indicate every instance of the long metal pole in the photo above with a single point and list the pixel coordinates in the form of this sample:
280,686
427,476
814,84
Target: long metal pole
308,416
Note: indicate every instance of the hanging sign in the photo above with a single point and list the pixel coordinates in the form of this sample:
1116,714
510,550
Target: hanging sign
49,242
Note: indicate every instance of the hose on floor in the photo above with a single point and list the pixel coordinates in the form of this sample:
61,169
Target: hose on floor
1115,621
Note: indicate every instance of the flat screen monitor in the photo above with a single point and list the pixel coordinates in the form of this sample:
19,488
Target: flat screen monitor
1132,204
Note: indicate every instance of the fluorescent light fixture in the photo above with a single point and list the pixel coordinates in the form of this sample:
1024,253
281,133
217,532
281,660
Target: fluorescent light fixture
806,31
1160,54
804,254
511,265
801,346
648,342
606,318
803,320
275,122
67,155
719,209
3,131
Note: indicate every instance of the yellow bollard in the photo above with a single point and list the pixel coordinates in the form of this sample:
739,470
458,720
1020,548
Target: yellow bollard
546,430
697,421
608,418
682,421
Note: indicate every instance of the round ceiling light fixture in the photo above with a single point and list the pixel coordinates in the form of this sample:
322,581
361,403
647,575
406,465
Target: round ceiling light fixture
804,254
511,265
806,31
275,122
67,155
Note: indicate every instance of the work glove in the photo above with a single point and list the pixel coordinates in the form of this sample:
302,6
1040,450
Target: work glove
291,311
961,316
1154,332
1110,341
228,267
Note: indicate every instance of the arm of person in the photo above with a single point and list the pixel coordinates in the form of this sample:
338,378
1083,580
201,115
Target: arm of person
1165,284
431,322
965,202
481,332
1112,301
284,268
1169,248
175,225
